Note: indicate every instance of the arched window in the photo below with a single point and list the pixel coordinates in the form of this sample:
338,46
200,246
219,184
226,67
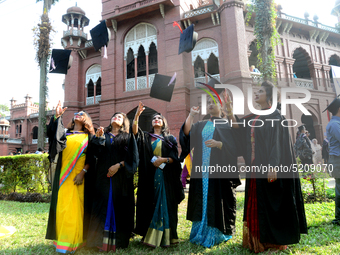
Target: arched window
334,60
130,60
199,67
205,59
140,47
90,89
99,87
253,56
153,64
300,66
93,79
35,132
141,62
213,67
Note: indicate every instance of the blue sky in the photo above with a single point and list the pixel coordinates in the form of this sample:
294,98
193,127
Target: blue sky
19,71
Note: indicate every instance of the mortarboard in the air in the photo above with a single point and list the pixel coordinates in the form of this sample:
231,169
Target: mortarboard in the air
187,40
334,106
302,127
163,87
100,35
61,61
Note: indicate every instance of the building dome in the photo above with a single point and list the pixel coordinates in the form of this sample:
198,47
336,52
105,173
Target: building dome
4,122
75,9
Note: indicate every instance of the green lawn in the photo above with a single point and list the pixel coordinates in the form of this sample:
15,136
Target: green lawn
30,221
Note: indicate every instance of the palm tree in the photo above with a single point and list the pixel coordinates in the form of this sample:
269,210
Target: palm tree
42,56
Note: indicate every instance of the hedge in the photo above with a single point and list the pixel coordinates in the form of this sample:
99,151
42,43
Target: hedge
24,173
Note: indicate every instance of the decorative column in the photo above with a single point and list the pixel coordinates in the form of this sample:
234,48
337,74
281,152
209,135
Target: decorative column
125,74
206,70
136,55
289,62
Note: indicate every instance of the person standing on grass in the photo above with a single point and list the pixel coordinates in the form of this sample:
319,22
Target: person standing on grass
212,200
159,186
66,216
333,135
274,214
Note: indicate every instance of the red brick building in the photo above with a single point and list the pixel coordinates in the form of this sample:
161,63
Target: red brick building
20,131
144,42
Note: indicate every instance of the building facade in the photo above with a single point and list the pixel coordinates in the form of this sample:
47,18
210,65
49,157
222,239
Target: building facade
19,132
144,42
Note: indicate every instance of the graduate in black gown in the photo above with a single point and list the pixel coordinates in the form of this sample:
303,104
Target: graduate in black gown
159,186
68,221
112,216
212,199
274,214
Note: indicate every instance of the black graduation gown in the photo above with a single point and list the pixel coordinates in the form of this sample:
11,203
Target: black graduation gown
280,205
145,194
108,154
221,208
57,143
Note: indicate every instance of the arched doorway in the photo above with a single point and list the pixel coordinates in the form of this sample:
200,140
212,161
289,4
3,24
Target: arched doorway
300,66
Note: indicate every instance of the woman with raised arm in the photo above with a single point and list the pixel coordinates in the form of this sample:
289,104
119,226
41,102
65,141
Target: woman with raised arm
159,186
66,217
212,198
112,216
274,214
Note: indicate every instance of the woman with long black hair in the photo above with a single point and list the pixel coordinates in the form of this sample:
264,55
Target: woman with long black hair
112,216
212,198
159,186
66,217
274,214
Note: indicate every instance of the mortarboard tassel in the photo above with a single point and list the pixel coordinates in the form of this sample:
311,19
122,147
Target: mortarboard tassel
172,79
176,24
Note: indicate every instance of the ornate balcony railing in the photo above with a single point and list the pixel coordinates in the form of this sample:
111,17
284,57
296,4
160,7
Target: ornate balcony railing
35,141
88,44
199,11
304,83
141,83
89,100
75,32
256,77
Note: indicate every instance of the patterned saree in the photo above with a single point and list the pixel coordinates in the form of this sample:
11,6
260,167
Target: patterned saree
70,204
159,231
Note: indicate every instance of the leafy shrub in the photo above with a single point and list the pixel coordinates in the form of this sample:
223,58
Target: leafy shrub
24,173
28,197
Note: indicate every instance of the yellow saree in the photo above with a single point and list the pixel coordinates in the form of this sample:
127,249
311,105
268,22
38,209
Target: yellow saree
70,205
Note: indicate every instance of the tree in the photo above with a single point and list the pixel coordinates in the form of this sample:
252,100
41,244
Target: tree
43,50
266,35
3,109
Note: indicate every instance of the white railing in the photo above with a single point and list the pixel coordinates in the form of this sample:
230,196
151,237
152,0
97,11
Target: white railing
98,98
141,82
151,78
304,83
89,100
35,141
13,140
256,77
89,43
130,84
75,33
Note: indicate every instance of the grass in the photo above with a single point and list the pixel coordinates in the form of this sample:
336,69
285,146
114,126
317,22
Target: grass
30,221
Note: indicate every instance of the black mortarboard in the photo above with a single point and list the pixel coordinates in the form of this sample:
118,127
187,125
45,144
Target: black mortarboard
100,35
334,106
61,61
302,127
187,40
162,88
